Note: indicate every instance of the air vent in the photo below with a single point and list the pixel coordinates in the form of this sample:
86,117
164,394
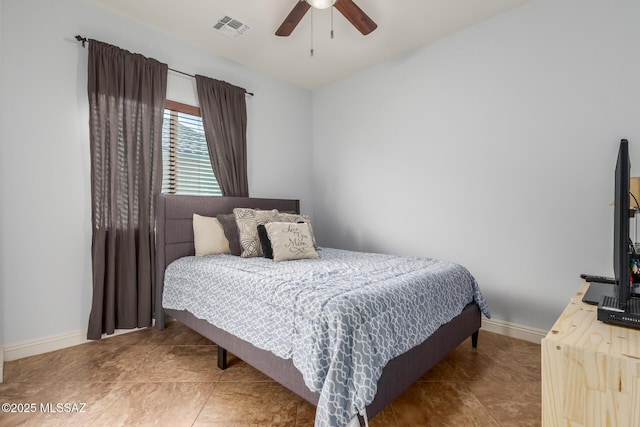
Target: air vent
231,27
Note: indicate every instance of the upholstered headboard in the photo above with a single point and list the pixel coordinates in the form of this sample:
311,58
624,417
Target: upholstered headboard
174,226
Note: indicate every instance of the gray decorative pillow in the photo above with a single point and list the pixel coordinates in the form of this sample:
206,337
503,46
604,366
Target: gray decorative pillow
290,240
230,228
247,221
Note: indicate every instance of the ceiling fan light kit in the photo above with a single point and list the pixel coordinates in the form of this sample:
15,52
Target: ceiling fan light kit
347,8
321,4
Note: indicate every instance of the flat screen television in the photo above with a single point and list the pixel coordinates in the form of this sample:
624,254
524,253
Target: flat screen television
621,256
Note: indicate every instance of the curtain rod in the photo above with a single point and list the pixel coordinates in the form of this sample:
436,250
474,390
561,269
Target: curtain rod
84,40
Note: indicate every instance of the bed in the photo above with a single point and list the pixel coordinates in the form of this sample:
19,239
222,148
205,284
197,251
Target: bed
174,241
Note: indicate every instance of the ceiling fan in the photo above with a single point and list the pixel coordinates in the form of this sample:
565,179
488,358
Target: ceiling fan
348,8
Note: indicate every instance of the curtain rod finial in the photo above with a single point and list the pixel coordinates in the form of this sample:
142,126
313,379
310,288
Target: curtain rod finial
81,39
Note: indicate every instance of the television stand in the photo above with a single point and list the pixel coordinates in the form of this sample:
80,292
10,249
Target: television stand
590,370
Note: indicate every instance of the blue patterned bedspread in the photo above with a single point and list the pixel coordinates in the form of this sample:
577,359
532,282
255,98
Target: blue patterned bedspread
341,317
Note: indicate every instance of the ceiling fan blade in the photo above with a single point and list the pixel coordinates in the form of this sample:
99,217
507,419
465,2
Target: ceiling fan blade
356,16
292,20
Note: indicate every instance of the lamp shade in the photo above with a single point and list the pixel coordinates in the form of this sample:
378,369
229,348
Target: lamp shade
321,4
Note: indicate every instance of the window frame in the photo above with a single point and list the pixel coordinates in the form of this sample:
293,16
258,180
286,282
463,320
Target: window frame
174,108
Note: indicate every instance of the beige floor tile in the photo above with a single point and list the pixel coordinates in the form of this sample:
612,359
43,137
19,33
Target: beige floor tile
60,404
305,414
386,418
149,377
157,404
441,404
259,403
187,363
512,404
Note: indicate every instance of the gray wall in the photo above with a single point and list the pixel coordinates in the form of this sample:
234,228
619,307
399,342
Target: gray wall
45,267
494,148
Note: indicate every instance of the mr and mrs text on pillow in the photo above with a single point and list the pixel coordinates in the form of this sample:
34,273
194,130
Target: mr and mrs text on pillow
290,240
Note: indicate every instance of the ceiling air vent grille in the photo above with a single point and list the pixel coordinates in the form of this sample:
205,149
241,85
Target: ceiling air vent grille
230,27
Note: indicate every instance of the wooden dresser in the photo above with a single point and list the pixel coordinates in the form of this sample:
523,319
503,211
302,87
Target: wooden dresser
590,370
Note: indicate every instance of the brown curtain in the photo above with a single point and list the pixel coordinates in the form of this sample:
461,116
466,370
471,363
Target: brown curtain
223,109
127,93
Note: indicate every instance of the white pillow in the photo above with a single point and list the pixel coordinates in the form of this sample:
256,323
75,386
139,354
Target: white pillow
208,236
290,241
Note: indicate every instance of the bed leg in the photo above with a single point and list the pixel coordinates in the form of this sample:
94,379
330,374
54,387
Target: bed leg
160,320
222,358
363,420
474,339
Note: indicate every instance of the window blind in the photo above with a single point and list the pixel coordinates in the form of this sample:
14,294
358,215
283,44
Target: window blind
186,168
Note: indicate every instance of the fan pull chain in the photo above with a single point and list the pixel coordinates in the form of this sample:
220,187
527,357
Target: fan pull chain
332,22
311,51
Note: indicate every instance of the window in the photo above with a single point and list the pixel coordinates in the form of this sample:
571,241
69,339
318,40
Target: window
186,168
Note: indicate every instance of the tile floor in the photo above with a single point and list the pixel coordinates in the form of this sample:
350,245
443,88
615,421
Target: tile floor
170,378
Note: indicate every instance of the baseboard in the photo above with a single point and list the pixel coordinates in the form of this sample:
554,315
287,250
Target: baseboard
52,343
513,330
57,342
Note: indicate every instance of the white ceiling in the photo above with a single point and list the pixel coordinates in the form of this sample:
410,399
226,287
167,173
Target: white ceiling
402,25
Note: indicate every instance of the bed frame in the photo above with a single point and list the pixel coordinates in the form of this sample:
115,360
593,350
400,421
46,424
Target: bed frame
174,239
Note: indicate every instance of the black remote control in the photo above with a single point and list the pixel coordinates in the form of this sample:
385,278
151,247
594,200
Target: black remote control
598,279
